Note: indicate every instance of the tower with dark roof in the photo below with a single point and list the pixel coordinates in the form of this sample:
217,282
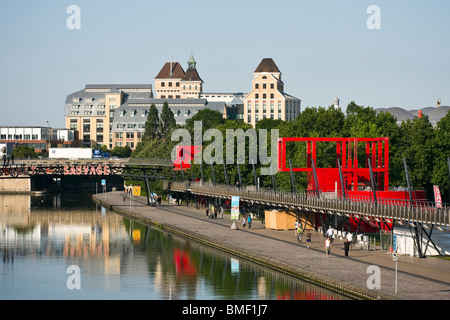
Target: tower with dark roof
191,83
267,98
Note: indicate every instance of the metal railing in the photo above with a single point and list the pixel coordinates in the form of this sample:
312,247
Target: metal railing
424,214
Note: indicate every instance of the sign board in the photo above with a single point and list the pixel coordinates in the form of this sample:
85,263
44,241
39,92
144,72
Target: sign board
394,243
234,207
136,191
103,182
437,197
394,256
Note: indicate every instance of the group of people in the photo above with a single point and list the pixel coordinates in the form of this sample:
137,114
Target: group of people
328,241
7,158
213,212
346,246
247,220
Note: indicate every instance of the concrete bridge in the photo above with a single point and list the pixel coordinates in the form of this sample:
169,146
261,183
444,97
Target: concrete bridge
16,177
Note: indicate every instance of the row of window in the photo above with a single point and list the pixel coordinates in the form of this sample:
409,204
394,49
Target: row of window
87,106
18,137
264,86
177,85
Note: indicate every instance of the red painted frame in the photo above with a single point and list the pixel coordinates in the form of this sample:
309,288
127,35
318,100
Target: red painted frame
376,150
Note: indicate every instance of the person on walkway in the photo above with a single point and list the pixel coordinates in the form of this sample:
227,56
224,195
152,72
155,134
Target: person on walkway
299,233
308,238
328,246
249,221
346,246
4,159
330,233
207,213
349,236
244,220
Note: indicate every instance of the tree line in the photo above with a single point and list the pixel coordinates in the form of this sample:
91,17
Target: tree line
424,147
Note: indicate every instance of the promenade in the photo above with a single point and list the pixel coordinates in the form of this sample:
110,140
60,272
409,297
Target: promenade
417,279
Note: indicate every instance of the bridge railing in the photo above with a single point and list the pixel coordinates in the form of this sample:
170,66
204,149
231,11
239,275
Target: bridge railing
423,214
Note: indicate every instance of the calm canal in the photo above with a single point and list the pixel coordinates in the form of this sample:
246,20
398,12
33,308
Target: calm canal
67,247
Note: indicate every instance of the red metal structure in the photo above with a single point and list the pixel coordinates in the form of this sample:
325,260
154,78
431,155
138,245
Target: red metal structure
185,156
356,175
363,177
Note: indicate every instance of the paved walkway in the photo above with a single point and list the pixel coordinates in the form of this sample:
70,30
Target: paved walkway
422,279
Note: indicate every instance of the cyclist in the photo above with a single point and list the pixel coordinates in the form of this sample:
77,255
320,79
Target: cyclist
299,233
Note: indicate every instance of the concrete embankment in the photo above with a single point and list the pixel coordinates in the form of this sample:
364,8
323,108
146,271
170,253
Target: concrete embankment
363,275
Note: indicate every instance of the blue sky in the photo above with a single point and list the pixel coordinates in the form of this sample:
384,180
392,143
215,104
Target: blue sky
323,48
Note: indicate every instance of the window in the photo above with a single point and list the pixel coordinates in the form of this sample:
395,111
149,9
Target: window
271,96
177,84
272,86
264,96
264,86
163,84
256,95
256,85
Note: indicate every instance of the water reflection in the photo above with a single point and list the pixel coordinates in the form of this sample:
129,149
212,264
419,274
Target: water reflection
119,258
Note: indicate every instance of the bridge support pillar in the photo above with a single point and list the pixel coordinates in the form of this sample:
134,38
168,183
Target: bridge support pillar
15,185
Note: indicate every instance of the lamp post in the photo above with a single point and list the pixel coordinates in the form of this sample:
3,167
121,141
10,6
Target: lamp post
49,137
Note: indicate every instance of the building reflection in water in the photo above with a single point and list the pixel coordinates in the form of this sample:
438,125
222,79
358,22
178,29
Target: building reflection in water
120,258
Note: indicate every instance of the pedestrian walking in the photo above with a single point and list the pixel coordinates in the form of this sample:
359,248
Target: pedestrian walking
328,246
346,246
330,233
244,220
207,213
308,238
349,236
249,221
4,159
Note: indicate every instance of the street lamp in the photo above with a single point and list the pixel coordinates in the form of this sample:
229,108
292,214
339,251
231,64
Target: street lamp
49,143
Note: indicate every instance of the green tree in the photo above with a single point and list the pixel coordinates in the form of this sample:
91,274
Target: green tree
152,124
441,147
417,148
23,151
209,118
122,152
167,122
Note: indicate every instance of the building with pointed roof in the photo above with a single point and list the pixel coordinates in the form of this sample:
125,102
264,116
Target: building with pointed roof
267,98
172,82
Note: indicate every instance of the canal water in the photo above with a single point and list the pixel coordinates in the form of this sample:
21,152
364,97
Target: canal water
64,246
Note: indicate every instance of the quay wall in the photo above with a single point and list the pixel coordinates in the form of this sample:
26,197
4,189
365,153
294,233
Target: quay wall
321,280
15,185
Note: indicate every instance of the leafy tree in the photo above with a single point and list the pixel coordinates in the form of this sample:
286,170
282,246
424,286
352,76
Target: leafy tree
417,148
23,151
441,147
122,152
209,118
